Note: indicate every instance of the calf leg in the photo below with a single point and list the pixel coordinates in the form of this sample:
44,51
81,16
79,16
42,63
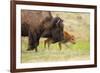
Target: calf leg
45,42
48,44
60,45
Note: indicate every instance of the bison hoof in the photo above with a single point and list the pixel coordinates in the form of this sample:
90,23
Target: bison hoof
29,49
32,49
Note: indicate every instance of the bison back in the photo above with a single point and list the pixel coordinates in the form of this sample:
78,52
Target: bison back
33,20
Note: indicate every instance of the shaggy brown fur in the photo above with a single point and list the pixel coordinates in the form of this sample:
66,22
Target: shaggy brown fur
36,24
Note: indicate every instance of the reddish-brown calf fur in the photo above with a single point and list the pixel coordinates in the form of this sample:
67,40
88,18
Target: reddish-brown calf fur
67,38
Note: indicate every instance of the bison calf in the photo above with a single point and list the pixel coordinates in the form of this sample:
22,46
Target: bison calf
67,38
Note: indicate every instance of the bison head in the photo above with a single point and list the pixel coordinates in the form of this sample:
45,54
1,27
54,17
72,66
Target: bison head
57,29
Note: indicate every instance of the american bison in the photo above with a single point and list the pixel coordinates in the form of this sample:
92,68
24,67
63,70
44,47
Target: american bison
67,38
36,24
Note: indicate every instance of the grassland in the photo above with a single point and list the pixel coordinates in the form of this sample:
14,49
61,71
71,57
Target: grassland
76,24
70,52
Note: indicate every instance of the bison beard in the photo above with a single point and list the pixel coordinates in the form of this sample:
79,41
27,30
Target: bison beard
36,24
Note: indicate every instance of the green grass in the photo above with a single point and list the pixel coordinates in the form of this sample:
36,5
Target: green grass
71,52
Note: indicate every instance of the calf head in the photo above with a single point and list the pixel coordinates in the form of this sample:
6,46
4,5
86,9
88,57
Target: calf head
72,39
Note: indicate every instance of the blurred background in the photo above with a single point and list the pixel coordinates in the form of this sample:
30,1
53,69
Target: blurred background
75,23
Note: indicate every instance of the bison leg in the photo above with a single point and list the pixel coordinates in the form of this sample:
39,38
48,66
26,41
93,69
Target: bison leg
36,50
33,41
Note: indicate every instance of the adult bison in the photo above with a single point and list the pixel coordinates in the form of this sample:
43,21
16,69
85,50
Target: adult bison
36,24
67,38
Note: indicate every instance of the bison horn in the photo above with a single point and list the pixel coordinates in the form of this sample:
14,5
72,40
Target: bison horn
58,21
